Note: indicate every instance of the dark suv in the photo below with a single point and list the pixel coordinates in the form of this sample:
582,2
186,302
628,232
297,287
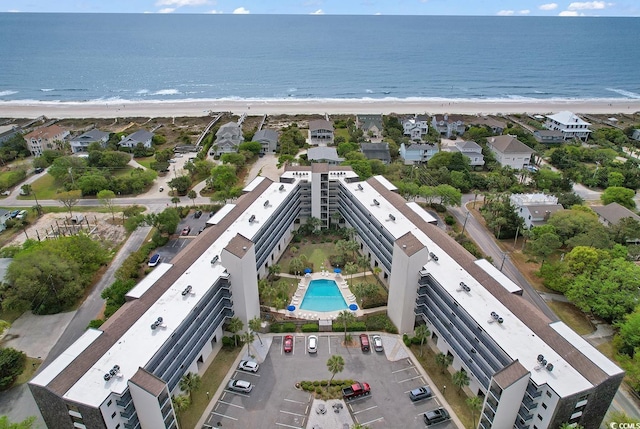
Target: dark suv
438,415
197,214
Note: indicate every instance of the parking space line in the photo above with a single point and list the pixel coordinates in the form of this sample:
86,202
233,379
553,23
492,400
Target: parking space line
329,341
236,393
409,379
289,426
366,409
233,405
403,369
379,419
297,402
247,373
291,413
225,416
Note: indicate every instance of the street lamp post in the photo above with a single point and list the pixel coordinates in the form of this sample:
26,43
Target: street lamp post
464,225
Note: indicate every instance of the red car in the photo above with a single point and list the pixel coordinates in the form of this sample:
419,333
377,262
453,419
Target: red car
288,343
186,230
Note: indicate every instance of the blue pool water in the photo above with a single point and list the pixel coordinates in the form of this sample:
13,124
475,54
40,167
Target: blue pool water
323,295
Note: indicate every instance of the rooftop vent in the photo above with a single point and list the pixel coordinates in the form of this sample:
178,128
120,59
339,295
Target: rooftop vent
266,203
187,290
392,217
157,323
495,317
432,256
464,287
252,218
540,358
281,187
107,377
359,187
215,259
376,202
549,367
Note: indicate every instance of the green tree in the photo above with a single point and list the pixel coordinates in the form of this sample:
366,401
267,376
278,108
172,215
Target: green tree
335,364
175,201
443,361
422,333
24,424
628,337
345,318
254,147
620,417
192,195
12,363
189,383
69,199
181,184
364,291
460,379
296,266
248,338
620,195
544,245
570,426
255,325
475,405
234,326
180,403
350,269
107,199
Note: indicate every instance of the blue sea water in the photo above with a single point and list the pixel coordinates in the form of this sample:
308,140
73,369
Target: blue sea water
89,57
323,295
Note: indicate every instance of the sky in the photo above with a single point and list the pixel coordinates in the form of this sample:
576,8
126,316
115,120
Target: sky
335,7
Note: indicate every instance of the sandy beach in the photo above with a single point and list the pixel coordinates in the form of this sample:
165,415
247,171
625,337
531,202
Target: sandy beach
112,109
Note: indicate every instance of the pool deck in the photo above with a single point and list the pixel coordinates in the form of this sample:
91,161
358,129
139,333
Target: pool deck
349,298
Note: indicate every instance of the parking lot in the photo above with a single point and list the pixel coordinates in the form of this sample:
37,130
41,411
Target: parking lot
176,243
275,401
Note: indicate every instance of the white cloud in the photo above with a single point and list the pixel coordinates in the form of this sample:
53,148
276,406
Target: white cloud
582,5
13,11
548,6
167,10
505,13
568,13
524,12
318,12
180,3
216,11
241,11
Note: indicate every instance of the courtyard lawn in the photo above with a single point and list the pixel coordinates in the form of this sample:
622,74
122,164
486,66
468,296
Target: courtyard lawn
316,253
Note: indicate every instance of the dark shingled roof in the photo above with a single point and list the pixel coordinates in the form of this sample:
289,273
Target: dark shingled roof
614,213
510,374
147,381
508,144
409,244
128,314
239,245
517,305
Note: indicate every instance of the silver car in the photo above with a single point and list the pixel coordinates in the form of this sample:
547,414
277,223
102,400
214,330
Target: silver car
377,343
240,386
249,366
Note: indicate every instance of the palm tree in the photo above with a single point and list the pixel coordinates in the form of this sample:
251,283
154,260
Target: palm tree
350,269
192,195
475,405
422,333
363,262
365,291
175,200
335,219
443,361
255,325
460,380
189,383
345,318
335,364
248,339
180,404
235,325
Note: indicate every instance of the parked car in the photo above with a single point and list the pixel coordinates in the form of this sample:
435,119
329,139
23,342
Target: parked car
200,230
22,215
421,393
186,230
249,366
172,161
161,189
197,214
312,345
14,213
240,386
364,343
154,260
38,170
377,343
438,415
355,390
288,343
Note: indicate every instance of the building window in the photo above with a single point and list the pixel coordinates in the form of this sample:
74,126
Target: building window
544,405
548,394
539,417
109,403
113,415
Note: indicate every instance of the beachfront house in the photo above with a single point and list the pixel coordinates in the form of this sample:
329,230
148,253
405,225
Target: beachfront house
416,154
497,127
8,131
268,139
510,152
376,151
141,136
44,138
415,127
571,126
81,143
320,131
371,125
548,136
324,154
470,149
228,138
448,125
535,209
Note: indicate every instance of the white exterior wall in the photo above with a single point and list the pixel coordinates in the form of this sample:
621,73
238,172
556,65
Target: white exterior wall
509,403
107,412
315,195
547,415
147,407
244,283
405,273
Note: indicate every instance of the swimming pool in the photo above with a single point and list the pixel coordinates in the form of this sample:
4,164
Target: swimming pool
323,295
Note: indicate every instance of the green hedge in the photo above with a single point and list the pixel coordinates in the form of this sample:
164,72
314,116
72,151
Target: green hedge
380,322
355,326
283,327
310,327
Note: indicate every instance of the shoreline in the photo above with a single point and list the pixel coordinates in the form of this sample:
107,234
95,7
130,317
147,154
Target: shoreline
199,108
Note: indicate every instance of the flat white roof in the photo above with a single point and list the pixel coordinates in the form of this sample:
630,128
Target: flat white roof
498,276
422,212
220,214
253,184
384,182
50,372
149,280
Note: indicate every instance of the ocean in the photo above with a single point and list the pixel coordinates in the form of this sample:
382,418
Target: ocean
148,57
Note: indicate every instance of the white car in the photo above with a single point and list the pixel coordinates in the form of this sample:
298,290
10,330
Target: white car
240,386
377,343
312,344
249,366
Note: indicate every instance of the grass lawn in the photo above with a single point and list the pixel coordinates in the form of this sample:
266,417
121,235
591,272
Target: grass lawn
528,270
342,132
30,369
45,188
211,379
317,254
572,316
146,161
9,315
455,398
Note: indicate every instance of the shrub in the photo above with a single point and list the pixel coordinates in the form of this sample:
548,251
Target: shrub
288,327
276,328
319,390
380,322
95,323
228,342
355,326
310,327
12,363
406,340
449,220
415,340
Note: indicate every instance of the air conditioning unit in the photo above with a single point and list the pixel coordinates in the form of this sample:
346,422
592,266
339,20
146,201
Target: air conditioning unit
281,187
187,290
376,202
392,217
252,218
215,259
106,377
266,203
359,187
431,254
